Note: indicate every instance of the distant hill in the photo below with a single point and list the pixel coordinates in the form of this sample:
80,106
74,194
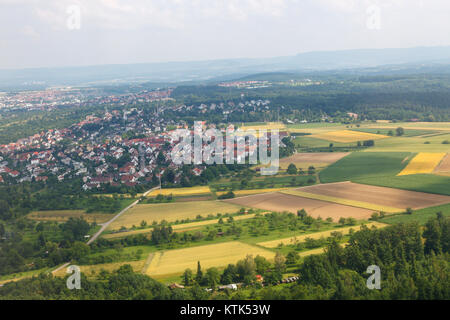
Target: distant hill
198,71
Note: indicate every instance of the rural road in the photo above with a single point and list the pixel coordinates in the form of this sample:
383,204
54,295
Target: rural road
106,224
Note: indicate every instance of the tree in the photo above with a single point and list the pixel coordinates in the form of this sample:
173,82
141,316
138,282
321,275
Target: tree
262,265
399,131
187,277
292,169
212,277
280,262
246,269
199,275
2,230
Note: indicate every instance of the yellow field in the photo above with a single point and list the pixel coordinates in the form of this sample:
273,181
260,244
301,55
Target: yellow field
423,162
267,126
64,215
252,191
316,235
347,136
96,268
347,202
180,191
171,212
215,255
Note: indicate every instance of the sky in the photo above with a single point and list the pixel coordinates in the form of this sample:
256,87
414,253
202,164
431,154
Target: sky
53,33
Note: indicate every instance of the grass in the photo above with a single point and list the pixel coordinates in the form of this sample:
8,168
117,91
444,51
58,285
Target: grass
359,166
347,202
171,212
315,235
215,255
420,216
423,163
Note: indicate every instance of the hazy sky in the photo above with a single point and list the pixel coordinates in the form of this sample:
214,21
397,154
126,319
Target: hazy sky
41,33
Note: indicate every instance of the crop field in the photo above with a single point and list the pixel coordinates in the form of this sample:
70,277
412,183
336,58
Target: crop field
420,216
347,202
444,167
316,235
214,255
385,198
425,143
422,163
407,132
171,212
280,202
181,191
348,136
316,159
64,215
265,126
363,165
417,182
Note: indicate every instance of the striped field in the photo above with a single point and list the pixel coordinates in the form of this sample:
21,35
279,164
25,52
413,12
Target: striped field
347,202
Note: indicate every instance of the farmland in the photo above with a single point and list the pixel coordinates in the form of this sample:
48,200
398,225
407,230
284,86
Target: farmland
444,166
280,202
215,255
346,202
347,136
420,216
316,159
359,166
315,235
64,215
171,212
201,190
372,197
423,163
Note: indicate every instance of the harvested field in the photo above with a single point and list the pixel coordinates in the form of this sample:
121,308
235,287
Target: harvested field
444,166
214,255
280,202
171,212
317,159
382,196
347,136
316,235
64,215
424,162
346,202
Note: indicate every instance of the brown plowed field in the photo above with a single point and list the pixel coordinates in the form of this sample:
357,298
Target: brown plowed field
282,202
444,166
378,195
